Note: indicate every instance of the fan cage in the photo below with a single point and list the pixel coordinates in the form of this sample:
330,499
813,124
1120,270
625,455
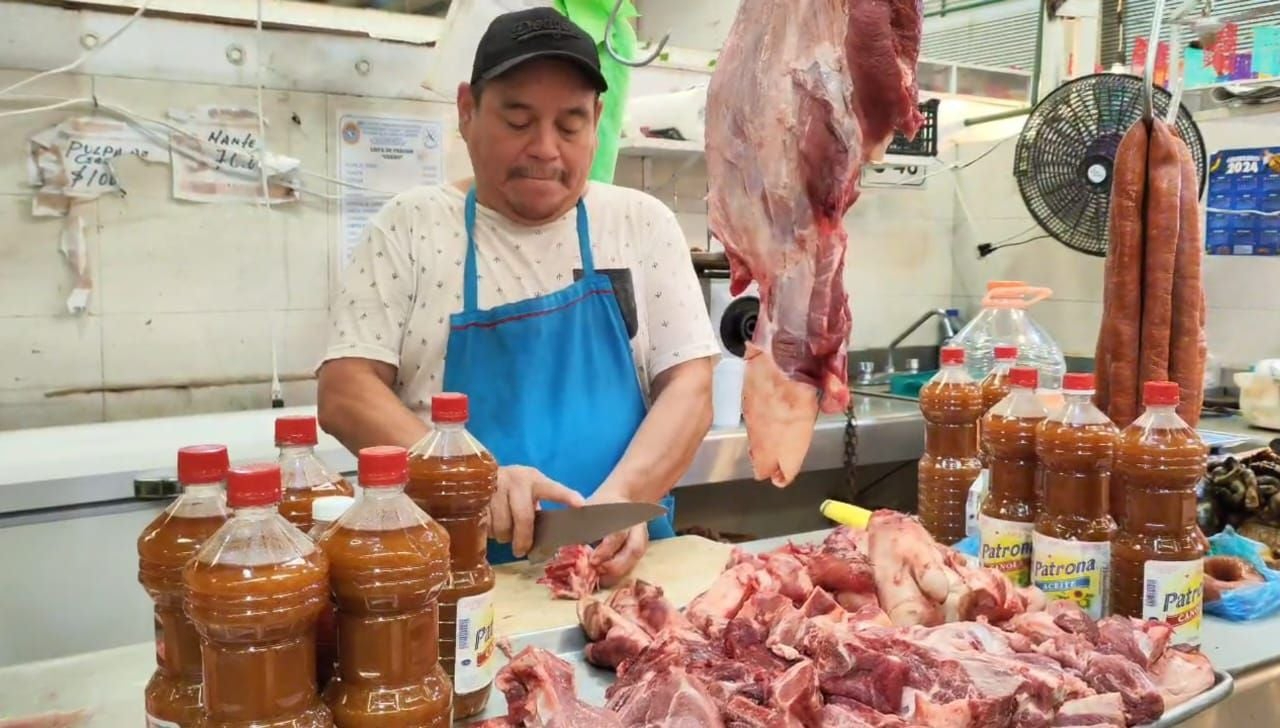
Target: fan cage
1064,155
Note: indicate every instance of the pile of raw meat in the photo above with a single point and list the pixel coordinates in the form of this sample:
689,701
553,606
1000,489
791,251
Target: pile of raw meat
883,628
1154,291
569,574
805,92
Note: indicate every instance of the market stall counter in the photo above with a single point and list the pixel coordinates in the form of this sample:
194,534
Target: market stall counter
105,688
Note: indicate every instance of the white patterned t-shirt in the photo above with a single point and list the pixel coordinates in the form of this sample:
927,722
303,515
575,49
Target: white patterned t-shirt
405,280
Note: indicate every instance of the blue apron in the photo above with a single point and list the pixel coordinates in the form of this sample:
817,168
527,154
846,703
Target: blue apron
551,381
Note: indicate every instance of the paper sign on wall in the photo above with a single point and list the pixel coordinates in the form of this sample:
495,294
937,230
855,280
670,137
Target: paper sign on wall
75,160
218,161
383,155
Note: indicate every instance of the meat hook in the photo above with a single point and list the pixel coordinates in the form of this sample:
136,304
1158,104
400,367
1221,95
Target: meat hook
608,41
1149,72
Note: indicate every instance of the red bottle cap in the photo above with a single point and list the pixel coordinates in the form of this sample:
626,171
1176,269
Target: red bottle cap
202,464
1160,393
383,465
1077,382
449,408
952,355
1004,352
1028,377
253,485
296,430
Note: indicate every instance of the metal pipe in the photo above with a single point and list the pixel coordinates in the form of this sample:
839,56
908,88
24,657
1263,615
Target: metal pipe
1039,61
938,312
974,121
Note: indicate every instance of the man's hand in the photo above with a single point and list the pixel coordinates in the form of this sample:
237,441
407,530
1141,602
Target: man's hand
512,506
619,553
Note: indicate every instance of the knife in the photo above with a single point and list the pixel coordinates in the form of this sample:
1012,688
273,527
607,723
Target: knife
585,524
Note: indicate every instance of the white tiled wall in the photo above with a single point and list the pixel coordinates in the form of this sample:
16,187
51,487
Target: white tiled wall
1242,293
187,291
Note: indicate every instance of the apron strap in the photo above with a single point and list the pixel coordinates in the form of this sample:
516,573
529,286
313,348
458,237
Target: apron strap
584,241
470,295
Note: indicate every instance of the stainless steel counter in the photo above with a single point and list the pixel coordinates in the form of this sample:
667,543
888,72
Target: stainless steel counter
889,430
94,465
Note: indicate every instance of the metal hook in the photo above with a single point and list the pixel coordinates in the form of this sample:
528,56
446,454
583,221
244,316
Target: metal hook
1149,72
608,41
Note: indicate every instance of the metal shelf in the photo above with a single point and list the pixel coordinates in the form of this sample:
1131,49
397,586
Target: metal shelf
660,148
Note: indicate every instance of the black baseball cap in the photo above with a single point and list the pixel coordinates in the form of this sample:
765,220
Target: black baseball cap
513,38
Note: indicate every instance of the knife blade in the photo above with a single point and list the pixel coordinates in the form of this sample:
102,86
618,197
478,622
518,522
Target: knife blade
585,524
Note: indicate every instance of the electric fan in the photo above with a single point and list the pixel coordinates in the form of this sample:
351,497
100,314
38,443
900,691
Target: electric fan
1066,150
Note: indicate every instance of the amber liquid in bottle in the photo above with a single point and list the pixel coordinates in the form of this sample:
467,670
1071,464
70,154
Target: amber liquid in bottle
1158,553
386,583
1008,513
254,593
952,404
1072,541
452,477
327,624
164,548
306,479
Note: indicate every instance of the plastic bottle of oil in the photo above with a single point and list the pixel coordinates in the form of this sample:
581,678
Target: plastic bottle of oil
1158,555
389,562
304,476
452,476
995,386
254,591
164,548
951,403
1071,548
1008,513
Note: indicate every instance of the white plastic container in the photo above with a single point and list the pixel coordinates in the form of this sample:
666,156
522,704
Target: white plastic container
726,391
1004,319
1260,394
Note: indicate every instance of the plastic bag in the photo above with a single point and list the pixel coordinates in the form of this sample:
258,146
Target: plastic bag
1251,602
968,546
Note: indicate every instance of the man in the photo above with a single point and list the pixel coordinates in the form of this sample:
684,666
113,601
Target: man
568,312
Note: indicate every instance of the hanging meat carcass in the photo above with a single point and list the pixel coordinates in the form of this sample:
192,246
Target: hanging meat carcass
804,93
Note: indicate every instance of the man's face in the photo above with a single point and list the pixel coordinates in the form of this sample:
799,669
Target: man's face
532,138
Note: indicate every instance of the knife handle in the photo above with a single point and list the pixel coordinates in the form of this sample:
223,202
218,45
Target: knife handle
846,514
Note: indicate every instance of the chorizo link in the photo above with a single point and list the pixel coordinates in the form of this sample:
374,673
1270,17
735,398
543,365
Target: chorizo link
1116,357
1187,345
1164,186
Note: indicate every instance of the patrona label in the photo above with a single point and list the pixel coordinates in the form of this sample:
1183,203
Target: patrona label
1075,570
1006,547
154,722
473,660
1173,592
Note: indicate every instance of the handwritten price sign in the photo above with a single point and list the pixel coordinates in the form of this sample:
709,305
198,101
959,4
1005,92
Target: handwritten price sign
217,161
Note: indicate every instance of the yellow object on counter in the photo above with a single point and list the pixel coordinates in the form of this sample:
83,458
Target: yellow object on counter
845,514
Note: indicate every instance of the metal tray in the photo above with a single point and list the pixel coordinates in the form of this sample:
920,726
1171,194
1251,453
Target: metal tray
591,681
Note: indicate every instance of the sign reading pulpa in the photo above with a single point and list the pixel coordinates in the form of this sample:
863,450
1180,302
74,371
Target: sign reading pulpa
1243,202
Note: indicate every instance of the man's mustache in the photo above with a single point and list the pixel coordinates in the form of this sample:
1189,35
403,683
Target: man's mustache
547,173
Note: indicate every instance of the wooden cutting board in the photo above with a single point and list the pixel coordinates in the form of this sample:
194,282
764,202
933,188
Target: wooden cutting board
683,566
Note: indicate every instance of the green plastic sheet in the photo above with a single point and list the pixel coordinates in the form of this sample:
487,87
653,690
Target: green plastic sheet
593,16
